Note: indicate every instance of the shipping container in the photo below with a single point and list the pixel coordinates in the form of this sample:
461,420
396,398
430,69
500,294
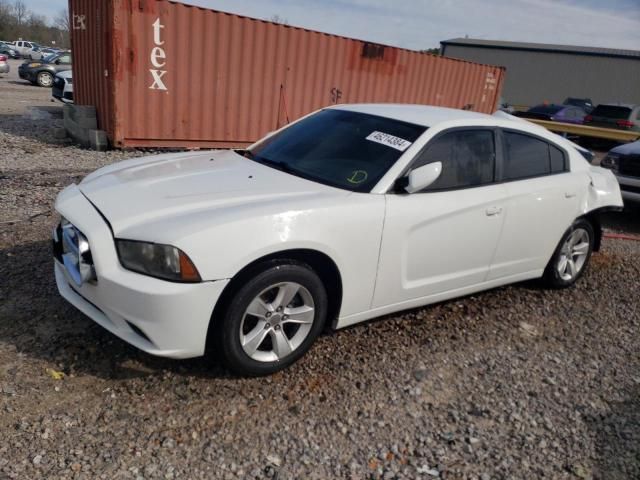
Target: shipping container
166,74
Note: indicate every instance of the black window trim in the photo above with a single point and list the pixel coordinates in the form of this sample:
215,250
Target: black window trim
500,153
497,172
503,158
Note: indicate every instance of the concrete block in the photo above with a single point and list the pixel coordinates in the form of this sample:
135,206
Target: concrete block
98,140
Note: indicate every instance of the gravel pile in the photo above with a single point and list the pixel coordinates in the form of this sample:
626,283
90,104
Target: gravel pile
518,382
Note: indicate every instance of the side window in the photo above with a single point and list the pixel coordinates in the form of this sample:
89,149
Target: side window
65,59
526,156
557,158
467,156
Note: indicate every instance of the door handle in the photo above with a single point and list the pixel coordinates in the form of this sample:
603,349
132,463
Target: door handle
493,211
569,194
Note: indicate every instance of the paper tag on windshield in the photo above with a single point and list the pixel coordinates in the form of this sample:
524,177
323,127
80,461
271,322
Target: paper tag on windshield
389,140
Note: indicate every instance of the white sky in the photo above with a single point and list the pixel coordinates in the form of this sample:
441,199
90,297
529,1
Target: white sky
421,24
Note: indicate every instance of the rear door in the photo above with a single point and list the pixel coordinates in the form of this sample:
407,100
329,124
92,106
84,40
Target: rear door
443,238
542,203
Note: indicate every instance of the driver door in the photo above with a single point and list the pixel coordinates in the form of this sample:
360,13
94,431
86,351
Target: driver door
443,238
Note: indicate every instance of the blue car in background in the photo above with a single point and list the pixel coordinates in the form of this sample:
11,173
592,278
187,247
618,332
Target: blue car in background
555,113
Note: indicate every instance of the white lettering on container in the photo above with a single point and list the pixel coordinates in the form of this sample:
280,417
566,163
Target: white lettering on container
158,58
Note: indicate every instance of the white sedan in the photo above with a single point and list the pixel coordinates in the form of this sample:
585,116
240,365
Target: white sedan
352,212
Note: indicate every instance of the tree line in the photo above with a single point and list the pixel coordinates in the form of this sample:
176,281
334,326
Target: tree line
17,21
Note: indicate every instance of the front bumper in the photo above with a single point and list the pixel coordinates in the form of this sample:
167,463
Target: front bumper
629,187
159,317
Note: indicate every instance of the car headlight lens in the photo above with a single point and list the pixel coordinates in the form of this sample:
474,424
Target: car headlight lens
611,161
160,261
33,65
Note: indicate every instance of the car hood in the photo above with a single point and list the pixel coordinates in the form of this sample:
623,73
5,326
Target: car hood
65,74
143,191
628,149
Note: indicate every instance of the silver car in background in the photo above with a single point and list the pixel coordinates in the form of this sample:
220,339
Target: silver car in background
4,63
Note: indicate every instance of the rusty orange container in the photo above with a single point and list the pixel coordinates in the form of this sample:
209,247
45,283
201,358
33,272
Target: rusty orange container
165,74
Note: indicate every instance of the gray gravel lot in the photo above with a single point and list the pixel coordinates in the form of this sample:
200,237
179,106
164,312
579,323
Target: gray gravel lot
515,383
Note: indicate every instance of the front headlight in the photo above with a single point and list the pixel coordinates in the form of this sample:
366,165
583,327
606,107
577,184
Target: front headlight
33,65
611,161
160,261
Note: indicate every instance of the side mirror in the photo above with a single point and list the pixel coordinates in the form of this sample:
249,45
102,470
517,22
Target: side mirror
57,62
422,177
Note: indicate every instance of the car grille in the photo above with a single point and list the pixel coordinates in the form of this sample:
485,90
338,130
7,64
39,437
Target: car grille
629,188
629,165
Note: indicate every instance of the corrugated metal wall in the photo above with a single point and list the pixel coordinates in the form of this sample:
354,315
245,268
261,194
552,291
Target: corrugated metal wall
533,77
92,46
186,76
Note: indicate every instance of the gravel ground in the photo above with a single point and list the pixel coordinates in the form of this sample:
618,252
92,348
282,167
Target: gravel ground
515,383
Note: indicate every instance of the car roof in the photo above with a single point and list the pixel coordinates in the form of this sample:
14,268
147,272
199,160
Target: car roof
424,115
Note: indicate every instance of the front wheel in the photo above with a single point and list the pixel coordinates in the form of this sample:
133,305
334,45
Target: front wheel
272,320
571,257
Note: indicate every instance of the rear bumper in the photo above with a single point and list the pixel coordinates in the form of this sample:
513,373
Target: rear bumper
5,68
25,75
159,317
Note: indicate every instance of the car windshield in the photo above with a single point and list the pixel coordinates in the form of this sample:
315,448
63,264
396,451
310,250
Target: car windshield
612,111
48,57
344,149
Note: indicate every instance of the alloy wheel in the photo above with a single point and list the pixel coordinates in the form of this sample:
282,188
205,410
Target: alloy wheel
573,254
277,322
45,79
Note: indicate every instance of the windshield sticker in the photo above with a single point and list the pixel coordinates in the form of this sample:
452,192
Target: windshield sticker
389,140
358,176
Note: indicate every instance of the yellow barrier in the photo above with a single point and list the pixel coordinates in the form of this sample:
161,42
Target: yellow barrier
586,131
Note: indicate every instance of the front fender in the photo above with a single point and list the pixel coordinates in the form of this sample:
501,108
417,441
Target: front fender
348,231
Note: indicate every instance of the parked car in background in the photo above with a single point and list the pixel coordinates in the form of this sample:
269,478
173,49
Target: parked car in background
554,113
624,162
584,103
42,72
63,87
8,50
4,64
351,213
39,53
615,115
23,47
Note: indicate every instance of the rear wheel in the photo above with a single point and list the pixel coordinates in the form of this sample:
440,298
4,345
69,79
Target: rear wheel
44,79
571,257
272,320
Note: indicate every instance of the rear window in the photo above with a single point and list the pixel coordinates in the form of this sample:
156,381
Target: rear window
612,111
547,109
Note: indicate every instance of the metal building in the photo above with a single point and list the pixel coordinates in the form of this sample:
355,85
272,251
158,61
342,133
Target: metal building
537,72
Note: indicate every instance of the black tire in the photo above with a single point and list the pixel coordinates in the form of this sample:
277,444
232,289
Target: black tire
227,329
552,277
44,79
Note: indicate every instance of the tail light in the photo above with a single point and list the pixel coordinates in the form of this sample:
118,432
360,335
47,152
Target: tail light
588,119
625,123
3,58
